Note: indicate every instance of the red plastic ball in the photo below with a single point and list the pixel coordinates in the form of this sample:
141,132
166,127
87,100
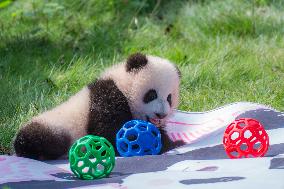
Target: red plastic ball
245,137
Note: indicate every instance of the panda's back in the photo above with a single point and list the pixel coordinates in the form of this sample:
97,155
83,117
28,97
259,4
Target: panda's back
71,115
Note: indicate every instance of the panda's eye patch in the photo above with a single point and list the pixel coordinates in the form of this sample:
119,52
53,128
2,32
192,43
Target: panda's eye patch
150,96
169,99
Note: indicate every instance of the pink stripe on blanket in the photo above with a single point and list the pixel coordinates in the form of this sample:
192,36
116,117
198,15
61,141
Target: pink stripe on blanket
186,137
194,124
181,123
180,137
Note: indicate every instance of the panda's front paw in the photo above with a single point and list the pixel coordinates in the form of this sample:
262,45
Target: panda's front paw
168,144
178,143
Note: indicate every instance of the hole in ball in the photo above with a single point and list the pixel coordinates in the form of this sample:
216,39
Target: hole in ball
100,167
234,153
85,170
135,148
132,137
98,147
244,147
123,146
92,158
242,124
235,135
257,145
103,154
247,134
80,163
81,151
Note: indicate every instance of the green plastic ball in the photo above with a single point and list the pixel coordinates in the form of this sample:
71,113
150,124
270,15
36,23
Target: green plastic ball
91,157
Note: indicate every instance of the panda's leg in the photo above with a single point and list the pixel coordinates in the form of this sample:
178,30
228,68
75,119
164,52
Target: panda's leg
37,141
167,143
50,134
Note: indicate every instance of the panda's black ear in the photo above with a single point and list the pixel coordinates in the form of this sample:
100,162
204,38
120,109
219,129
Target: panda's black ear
135,62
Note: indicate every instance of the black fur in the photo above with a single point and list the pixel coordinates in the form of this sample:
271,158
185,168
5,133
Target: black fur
167,143
38,142
135,62
150,96
169,99
109,110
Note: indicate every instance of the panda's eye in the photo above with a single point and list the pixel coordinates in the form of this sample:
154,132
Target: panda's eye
169,99
150,96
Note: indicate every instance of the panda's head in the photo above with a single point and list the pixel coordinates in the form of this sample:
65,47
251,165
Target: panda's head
153,87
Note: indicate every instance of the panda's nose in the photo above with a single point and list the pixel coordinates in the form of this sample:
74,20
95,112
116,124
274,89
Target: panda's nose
161,115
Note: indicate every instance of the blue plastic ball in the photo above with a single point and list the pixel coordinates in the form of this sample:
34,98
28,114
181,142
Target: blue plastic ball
138,138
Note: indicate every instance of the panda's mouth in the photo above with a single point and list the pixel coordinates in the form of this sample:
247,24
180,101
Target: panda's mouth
156,122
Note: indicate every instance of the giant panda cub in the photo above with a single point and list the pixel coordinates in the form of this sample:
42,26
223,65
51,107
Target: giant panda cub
142,87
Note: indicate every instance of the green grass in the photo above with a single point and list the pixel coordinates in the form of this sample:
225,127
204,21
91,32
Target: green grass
227,50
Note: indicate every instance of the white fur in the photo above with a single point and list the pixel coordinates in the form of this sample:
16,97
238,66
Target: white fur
72,115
